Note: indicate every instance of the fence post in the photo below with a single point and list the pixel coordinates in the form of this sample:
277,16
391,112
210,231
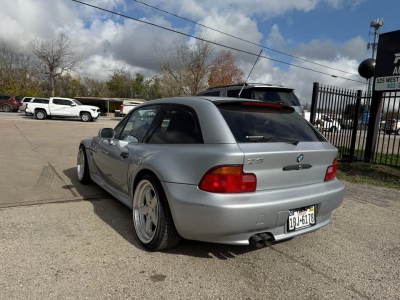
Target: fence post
373,124
314,102
355,125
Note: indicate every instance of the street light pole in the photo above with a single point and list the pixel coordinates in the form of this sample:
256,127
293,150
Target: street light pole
376,24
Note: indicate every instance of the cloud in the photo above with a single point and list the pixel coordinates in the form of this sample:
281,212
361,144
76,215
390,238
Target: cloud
109,42
275,39
329,50
234,23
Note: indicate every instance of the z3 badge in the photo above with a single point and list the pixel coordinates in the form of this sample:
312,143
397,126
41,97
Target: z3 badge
252,161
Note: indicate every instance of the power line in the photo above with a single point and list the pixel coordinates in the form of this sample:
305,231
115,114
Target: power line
211,42
241,39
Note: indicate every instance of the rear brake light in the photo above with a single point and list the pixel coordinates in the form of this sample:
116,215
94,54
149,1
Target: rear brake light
263,104
21,104
303,113
331,171
228,179
121,108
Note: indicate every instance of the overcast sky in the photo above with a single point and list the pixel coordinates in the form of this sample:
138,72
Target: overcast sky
329,32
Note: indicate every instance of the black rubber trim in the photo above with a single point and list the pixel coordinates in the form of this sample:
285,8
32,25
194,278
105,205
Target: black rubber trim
297,167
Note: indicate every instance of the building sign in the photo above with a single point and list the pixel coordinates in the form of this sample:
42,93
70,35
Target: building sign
387,69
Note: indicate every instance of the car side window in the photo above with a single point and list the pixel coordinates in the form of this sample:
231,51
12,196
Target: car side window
66,102
120,126
138,124
176,124
57,101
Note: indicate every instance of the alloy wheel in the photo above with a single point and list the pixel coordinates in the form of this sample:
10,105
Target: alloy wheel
80,166
145,211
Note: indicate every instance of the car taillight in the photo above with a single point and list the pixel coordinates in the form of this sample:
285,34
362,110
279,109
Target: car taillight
121,108
228,179
21,104
331,171
303,113
262,104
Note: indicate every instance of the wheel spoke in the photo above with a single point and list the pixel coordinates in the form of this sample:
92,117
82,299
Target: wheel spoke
143,210
148,225
154,218
148,196
154,202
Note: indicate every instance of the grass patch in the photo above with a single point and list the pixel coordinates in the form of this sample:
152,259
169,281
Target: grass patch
369,173
379,158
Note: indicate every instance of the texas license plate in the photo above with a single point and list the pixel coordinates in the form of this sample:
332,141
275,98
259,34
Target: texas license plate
301,218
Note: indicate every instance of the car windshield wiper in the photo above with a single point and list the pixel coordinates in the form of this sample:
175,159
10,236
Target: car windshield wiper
273,138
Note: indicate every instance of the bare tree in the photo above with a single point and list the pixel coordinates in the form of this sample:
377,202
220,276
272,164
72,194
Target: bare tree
56,57
184,68
17,72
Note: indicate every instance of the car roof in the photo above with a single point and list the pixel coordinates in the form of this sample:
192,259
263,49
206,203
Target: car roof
192,99
249,85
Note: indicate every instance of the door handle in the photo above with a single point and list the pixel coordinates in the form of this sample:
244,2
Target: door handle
124,155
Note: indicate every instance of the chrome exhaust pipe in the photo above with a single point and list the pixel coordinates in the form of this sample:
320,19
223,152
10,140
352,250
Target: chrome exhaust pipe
255,240
267,238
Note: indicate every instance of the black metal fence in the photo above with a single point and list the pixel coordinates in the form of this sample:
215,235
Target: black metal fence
343,116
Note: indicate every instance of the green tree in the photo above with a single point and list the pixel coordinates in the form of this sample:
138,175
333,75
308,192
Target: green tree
120,83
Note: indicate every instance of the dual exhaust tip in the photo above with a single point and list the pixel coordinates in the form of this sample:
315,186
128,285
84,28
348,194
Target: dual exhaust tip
262,240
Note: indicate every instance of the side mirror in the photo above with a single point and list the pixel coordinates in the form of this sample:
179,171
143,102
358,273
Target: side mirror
73,104
106,133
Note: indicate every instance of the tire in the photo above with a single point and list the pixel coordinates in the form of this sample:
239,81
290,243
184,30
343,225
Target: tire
388,131
6,108
40,115
398,132
150,203
82,166
86,117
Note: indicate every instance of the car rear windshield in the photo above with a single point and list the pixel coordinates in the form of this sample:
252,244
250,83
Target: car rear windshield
283,96
252,124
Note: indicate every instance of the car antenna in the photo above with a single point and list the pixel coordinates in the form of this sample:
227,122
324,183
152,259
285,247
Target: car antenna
244,84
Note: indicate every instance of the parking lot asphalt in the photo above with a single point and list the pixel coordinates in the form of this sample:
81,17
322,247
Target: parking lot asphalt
87,249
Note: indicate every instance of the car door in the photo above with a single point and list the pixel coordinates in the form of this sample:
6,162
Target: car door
113,156
60,107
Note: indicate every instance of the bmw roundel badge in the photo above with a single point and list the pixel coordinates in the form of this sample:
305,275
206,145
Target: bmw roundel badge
300,158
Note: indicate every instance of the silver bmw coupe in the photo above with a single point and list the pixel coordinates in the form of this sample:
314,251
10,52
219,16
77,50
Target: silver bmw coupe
221,170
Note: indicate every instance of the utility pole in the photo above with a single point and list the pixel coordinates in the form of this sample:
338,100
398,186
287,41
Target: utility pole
376,24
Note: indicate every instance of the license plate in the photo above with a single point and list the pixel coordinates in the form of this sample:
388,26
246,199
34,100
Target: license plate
301,218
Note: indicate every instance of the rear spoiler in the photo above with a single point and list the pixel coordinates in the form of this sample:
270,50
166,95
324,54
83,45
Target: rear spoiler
247,102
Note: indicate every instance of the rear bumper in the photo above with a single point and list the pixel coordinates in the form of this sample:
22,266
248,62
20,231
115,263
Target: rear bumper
234,218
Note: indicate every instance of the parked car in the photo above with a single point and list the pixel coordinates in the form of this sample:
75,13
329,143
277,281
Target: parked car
128,105
257,91
9,103
392,126
62,107
222,170
329,124
22,105
346,124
